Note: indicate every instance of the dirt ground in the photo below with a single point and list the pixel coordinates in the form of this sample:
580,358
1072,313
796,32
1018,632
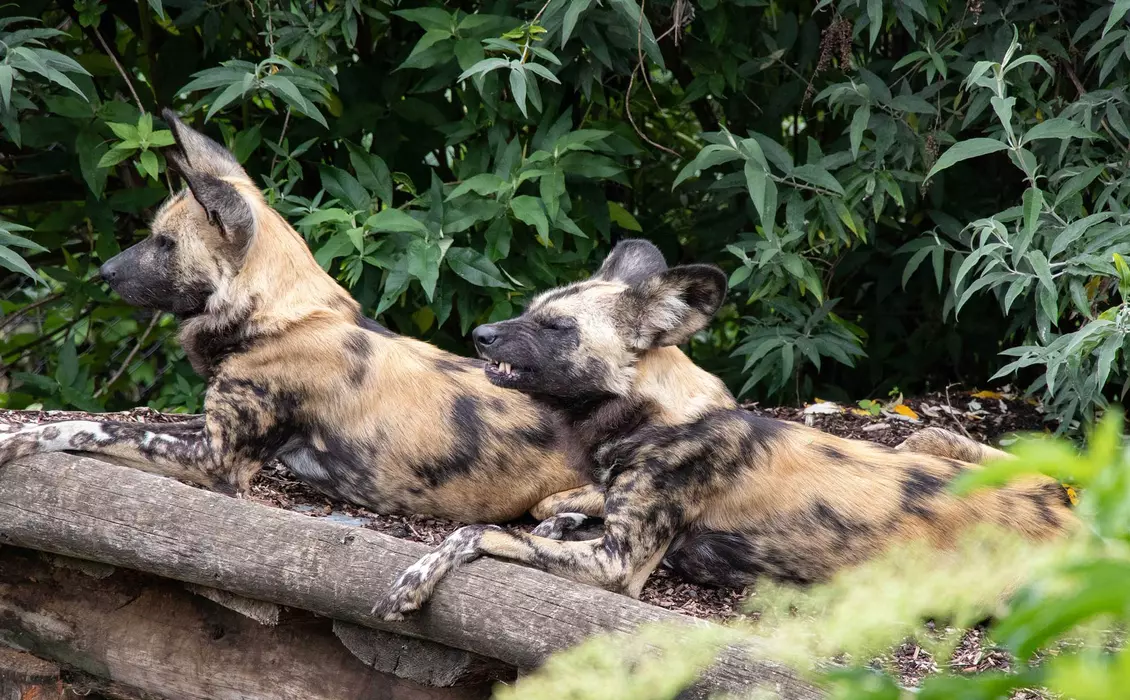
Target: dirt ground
987,416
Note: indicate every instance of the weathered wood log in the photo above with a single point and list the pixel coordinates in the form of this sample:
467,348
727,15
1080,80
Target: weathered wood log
24,676
154,636
94,510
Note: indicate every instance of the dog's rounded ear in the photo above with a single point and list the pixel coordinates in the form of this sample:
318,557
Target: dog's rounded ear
676,303
632,261
198,153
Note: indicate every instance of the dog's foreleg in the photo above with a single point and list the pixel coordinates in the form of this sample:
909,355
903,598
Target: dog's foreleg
182,450
620,561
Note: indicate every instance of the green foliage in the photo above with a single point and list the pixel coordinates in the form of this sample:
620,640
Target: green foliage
1040,596
655,663
898,191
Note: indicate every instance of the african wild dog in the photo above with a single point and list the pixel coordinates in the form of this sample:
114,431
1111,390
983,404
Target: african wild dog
296,372
723,494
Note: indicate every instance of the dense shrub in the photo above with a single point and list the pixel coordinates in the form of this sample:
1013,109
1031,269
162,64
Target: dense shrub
866,172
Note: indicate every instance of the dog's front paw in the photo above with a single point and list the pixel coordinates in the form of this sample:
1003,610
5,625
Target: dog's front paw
555,527
411,590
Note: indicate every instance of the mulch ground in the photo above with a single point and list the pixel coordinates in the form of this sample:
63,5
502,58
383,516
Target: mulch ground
986,416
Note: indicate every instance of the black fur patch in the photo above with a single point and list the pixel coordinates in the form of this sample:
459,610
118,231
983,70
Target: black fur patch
207,347
371,325
471,431
456,364
832,453
715,558
358,356
917,488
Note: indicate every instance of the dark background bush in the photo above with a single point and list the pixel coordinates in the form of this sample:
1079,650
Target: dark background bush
446,160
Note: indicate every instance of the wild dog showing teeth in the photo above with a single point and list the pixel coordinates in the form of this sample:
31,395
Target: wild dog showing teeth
723,495
295,371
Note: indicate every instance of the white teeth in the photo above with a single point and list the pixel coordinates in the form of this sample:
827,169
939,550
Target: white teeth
505,367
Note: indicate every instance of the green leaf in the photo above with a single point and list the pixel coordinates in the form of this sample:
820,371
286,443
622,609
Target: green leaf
115,155
157,7
858,124
321,216
1033,204
395,221
712,155
763,192
474,267
1078,183
281,86
7,75
161,138
1117,12
552,188
90,149
964,150
1040,266
372,173
484,66
815,175
623,218
145,127
529,210
1003,108
483,184
126,132
498,236
1057,128
874,19
518,86
11,261
345,188
149,163
573,12
428,17
230,94
67,371
424,259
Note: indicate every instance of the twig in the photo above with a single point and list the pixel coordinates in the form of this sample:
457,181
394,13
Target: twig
130,356
526,48
282,135
30,307
632,82
953,417
628,109
639,54
118,65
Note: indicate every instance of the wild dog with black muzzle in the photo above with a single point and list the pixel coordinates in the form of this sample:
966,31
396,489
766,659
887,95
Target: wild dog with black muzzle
296,372
726,495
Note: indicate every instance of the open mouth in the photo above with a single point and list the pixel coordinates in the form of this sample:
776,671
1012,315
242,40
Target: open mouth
503,371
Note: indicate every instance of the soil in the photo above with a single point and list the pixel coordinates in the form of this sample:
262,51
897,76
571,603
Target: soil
988,416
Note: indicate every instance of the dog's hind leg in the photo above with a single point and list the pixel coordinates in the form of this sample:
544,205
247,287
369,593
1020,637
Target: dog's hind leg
567,511
943,443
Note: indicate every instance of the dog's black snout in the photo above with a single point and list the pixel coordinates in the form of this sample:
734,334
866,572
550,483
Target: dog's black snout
110,269
484,336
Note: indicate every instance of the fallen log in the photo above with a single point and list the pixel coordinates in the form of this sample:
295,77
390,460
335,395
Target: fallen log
156,637
90,509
